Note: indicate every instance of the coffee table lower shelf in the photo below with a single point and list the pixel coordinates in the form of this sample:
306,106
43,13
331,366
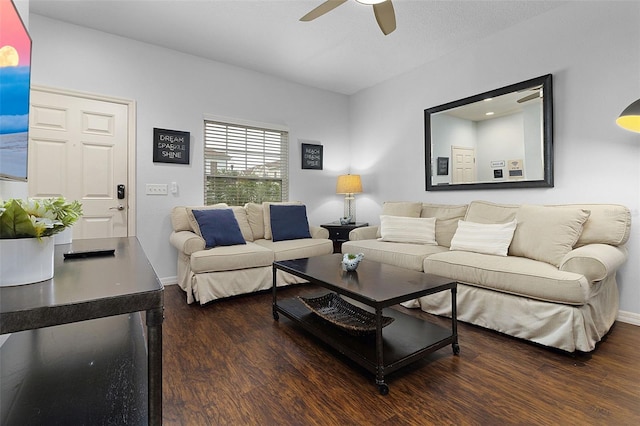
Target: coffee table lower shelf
405,340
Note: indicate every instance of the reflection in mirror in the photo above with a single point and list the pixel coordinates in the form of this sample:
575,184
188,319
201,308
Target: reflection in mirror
497,139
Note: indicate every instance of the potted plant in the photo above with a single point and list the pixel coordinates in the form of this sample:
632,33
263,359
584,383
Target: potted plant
26,237
351,261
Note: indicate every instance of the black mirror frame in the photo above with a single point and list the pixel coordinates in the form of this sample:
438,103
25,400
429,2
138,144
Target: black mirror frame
547,115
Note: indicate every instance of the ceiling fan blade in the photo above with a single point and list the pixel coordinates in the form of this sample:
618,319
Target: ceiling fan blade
529,97
325,7
385,16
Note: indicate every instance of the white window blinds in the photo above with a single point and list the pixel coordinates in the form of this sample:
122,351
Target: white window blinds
245,164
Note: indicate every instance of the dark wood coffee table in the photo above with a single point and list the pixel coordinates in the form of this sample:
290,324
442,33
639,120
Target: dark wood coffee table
373,287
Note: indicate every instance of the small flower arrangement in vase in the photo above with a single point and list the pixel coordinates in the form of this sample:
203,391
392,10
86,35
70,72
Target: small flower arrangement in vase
37,218
26,237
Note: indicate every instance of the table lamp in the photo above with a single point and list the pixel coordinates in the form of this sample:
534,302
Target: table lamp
349,185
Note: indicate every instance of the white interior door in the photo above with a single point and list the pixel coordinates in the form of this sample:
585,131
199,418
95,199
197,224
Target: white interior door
463,164
79,149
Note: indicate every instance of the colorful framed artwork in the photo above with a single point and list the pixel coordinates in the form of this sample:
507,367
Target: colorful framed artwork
15,79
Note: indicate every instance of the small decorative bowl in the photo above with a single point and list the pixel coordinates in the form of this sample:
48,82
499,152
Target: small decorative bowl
351,261
345,220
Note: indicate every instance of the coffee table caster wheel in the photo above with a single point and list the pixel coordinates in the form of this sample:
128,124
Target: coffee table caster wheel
456,349
383,389
276,316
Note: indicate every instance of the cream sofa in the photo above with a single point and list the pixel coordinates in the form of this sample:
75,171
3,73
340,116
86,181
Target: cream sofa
555,286
223,271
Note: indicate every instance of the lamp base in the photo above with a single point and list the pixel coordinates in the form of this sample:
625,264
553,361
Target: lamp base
349,209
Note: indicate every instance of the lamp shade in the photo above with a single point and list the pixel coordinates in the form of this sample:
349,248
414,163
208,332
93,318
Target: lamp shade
630,117
349,184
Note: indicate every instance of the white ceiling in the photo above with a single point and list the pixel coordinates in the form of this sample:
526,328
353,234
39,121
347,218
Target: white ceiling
343,51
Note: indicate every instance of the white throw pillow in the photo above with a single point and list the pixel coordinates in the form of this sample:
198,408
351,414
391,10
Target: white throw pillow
491,238
417,230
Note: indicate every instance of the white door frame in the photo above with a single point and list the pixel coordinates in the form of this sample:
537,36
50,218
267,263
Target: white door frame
131,145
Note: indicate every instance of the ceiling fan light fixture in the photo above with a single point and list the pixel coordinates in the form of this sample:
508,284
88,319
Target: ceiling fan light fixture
382,9
630,118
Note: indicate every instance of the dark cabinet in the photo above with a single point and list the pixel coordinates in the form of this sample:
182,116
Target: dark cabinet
339,233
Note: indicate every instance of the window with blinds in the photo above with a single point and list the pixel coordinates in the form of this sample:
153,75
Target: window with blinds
244,164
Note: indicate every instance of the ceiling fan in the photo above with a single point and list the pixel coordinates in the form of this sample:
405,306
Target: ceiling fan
383,9
537,94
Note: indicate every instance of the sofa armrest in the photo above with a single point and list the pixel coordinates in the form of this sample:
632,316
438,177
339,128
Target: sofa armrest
187,242
319,232
364,233
594,261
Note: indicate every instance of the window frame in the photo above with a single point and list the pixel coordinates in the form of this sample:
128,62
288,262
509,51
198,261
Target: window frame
239,137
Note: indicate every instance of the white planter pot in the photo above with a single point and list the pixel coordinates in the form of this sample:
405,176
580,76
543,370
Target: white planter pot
25,260
64,237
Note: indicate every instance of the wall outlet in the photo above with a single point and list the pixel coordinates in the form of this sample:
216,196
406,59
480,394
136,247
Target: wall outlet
156,189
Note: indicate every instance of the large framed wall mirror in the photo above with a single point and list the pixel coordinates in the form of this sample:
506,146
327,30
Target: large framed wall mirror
498,139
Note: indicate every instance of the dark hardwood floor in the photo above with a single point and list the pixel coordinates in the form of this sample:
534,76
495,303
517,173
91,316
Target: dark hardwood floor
230,363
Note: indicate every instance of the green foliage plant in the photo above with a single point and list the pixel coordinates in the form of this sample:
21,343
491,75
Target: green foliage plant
37,218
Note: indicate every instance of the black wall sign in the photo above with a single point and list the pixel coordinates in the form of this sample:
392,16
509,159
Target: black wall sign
311,156
170,146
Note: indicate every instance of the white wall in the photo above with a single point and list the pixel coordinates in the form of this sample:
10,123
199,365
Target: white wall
593,51
500,139
172,91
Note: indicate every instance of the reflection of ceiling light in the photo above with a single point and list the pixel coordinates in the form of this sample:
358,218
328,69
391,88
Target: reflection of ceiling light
490,113
488,99
370,1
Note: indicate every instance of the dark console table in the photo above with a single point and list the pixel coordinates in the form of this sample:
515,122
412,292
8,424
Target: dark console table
77,351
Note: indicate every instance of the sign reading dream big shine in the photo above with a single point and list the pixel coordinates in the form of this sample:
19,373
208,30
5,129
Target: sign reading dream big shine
170,146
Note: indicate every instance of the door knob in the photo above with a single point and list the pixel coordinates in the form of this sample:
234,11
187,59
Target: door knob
119,207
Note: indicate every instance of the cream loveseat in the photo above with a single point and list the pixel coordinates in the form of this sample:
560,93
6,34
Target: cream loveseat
244,265
551,281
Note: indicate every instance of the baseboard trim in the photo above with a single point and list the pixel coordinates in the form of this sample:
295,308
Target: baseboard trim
169,280
629,317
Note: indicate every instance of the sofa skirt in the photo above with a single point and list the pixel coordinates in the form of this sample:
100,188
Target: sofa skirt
565,327
205,288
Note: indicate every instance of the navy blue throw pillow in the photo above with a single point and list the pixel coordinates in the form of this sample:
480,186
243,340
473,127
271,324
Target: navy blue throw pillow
218,227
289,222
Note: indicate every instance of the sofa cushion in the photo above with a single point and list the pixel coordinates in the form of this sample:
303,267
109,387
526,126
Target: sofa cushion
447,217
187,213
255,217
229,258
547,233
243,222
400,208
297,249
485,212
218,227
289,222
266,212
607,224
182,219
410,256
487,238
414,230
509,274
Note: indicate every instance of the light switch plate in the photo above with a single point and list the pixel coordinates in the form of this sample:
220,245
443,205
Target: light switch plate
156,189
